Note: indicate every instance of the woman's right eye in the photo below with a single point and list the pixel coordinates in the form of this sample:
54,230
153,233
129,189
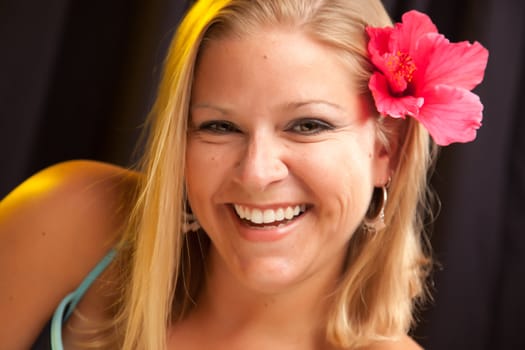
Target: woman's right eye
218,127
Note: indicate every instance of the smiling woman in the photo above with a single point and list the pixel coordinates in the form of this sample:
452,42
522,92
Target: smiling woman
277,148
278,206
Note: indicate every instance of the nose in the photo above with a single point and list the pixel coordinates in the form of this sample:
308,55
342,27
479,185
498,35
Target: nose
261,162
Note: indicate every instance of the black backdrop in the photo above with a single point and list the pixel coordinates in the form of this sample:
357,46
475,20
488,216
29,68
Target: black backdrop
77,79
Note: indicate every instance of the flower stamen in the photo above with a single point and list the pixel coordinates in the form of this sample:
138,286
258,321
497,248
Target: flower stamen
401,68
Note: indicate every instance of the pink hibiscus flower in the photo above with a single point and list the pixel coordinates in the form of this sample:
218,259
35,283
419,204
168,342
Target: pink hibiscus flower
422,74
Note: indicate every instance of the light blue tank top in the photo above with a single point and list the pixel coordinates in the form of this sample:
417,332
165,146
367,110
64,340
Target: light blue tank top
68,304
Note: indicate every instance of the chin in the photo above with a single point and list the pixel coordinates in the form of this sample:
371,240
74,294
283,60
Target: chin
270,275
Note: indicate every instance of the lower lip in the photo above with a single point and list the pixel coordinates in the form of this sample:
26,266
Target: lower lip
267,233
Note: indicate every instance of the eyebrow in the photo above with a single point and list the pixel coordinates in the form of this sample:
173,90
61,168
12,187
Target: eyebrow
209,106
284,106
299,104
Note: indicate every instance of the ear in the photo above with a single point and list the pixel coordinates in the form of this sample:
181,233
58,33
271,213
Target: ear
389,134
382,164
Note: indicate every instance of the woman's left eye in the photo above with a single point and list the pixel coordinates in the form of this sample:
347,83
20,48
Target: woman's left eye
309,126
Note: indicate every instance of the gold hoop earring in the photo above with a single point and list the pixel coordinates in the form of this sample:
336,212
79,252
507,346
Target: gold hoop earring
375,217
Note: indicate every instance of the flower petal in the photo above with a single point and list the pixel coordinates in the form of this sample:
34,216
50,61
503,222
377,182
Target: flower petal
378,46
451,115
406,34
379,40
387,104
454,64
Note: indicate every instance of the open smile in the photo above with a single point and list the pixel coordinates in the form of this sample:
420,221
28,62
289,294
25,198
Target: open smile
265,216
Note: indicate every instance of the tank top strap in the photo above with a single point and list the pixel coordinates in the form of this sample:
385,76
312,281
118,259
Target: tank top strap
69,303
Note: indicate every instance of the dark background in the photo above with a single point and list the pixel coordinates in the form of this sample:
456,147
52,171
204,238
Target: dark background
77,79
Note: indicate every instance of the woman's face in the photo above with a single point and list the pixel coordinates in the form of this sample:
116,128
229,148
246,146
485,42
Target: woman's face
281,159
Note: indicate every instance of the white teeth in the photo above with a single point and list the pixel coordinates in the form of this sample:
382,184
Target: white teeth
240,212
256,217
288,213
267,216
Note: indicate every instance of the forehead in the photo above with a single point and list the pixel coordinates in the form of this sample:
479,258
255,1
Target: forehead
278,39
272,62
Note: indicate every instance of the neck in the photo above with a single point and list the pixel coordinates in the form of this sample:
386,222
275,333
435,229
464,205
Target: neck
294,314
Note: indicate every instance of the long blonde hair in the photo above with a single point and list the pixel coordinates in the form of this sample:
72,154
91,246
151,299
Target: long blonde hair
161,269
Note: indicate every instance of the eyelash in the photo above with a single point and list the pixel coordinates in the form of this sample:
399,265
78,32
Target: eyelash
218,127
318,125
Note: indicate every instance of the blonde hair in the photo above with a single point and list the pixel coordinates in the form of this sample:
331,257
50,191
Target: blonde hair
162,270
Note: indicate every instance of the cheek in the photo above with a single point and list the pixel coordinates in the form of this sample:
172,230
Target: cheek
347,192
203,158
342,166
341,178
199,160
208,171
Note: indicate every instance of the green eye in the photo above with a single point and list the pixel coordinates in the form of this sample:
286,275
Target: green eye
309,126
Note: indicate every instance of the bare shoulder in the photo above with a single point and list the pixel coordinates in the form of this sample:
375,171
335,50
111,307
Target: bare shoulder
54,228
404,343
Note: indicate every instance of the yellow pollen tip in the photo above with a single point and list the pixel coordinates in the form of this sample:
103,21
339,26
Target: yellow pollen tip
401,66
